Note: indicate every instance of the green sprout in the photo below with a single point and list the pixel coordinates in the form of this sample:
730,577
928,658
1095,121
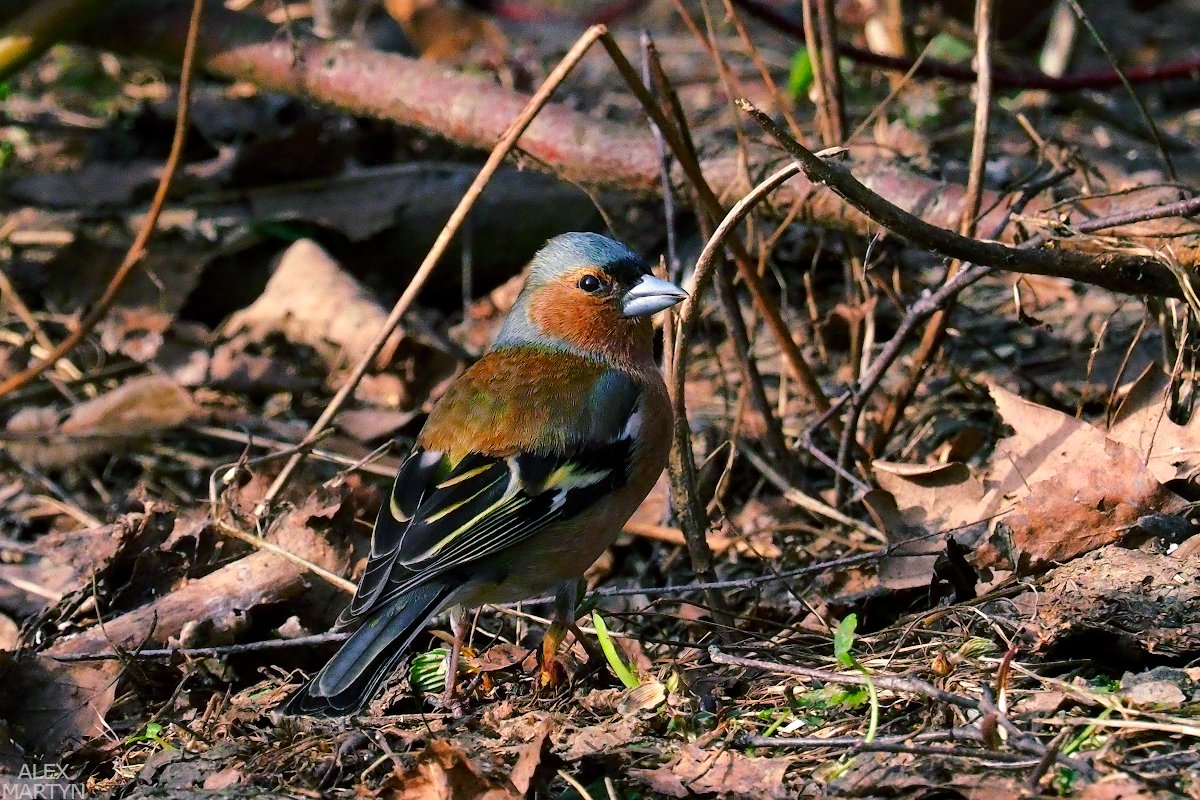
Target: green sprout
153,734
843,640
608,647
801,76
427,673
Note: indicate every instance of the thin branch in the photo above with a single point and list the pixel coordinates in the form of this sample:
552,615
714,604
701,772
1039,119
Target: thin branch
1187,69
712,206
1118,271
935,331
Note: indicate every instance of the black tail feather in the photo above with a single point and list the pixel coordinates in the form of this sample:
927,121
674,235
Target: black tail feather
349,680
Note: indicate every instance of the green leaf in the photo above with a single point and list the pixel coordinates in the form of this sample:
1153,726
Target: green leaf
843,640
945,47
627,678
801,77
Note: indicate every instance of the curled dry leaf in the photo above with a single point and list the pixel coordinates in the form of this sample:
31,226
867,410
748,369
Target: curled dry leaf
107,424
51,706
725,773
645,696
1055,489
311,300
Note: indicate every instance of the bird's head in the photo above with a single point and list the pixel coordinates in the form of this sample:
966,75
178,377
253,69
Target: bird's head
588,294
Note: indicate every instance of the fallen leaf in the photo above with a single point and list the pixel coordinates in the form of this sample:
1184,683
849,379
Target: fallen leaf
311,300
573,743
137,407
918,509
1078,490
534,763
1168,450
445,772
52,706
1053,490
724,773
1160,688
107,424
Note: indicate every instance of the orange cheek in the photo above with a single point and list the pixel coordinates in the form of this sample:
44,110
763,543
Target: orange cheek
566,313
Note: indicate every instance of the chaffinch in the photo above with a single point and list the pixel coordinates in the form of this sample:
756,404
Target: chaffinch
525,470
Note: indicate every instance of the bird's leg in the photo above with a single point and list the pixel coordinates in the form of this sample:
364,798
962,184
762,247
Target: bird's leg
565,600
458,627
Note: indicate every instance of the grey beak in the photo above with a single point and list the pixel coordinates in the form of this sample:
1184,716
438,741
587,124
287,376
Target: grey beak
650,295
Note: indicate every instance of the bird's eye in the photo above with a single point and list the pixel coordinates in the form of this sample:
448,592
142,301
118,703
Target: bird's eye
590,284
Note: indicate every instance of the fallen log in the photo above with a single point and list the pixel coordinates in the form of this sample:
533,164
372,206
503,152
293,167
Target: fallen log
473,111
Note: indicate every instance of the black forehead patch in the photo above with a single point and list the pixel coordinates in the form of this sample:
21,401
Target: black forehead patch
626,270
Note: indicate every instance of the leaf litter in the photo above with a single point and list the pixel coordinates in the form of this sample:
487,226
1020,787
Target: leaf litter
1040,559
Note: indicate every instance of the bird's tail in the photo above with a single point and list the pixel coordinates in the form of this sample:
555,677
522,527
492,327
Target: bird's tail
348,681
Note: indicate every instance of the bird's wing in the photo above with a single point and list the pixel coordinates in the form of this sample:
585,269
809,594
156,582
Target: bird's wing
443,514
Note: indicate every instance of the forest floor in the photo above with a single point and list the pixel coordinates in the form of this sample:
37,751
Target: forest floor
995,595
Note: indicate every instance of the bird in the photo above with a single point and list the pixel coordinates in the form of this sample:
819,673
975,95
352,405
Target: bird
524,472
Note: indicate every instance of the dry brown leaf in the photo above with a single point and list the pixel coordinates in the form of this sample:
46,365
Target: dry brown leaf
311,300
696,771
1168,450
445,772
321,530
534,761
1077,490
106,424
1055,489
573,743
929,504
53,706
139,406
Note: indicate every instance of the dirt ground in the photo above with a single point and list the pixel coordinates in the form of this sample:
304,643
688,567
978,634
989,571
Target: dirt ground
976,575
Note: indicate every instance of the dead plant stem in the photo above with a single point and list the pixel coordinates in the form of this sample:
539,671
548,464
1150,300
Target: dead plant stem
935,330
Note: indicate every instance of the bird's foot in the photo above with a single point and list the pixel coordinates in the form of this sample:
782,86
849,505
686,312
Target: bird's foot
552,673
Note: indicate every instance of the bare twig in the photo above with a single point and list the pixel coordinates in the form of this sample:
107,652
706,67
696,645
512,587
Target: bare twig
138,249
1147,118
260,543
935,330
712,206
807,501
1115,271
910,685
